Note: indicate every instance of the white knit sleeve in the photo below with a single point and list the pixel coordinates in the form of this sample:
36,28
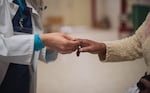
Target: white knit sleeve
126,49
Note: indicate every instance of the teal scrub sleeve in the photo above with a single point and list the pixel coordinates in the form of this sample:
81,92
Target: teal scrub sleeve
38,44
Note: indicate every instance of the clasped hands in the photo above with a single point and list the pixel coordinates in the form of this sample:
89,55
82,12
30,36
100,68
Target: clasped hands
65,44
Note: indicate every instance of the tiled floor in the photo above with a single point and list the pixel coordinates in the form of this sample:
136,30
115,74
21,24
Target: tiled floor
86,74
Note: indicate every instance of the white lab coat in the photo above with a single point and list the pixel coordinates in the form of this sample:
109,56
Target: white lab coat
18,48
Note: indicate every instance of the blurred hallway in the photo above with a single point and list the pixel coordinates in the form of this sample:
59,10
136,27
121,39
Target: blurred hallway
86,74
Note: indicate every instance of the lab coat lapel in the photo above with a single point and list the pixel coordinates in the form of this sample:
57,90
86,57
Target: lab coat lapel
8,9
34,9
37,27
13,8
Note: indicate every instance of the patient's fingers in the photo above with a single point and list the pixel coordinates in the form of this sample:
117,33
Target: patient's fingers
84,42
85,49
146,82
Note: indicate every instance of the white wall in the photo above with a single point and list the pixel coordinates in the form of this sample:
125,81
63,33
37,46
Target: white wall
78,12
113,12
74,12
111,9
100,9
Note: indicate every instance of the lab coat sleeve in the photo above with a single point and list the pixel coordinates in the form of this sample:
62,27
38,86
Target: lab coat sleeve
48,56
13,48
17,49
1,2
126,49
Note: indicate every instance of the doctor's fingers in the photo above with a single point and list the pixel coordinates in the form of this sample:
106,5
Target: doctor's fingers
67,51
71,45
64,49
68,48
50,48
69,37
84,42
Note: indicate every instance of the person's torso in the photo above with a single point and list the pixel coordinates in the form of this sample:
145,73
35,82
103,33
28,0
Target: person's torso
9,10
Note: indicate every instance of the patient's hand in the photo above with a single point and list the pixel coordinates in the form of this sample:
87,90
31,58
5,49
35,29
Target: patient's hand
147,85
91,46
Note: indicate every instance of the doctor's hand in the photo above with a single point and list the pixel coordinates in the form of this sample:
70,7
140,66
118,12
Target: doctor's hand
93,47
61,42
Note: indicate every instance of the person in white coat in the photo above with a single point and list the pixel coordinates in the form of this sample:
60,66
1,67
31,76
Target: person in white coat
130,48
22,44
